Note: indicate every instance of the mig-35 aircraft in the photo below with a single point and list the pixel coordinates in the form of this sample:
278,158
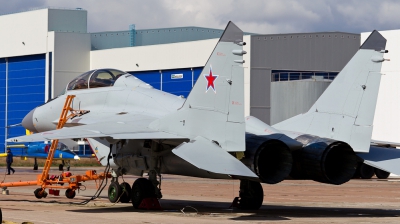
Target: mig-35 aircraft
138,129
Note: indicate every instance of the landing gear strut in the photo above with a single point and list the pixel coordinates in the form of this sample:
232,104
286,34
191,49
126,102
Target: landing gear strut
35,166
251,195
61,166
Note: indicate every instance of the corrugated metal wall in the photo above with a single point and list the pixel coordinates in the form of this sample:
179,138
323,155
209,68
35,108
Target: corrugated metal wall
26,90
174,81
117,39
306,52
2,101
294,97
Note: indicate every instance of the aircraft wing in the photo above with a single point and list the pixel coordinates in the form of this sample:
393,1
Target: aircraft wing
387,159
117,127
384,143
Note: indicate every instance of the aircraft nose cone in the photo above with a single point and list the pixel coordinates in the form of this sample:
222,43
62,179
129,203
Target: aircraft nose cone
27,122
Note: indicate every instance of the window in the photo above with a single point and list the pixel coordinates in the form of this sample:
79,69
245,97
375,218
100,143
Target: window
80,82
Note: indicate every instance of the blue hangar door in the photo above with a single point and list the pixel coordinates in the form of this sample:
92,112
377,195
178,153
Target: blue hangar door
26,90
174,81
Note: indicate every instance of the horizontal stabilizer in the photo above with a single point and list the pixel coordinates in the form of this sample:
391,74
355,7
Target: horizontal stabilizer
387,159
210,157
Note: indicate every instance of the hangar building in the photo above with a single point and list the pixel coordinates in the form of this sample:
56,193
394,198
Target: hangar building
42,50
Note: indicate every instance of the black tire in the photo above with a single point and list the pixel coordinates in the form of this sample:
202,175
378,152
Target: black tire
38,193
61,167
381,174
114,192
251,195
357,174
366,171
142,188
69,193
35,167
125,192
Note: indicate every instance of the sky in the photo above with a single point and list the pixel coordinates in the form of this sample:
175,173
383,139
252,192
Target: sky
256,16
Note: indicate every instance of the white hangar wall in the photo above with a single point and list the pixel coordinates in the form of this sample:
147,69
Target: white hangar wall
387,117
191,54
23,33
71,58
39,50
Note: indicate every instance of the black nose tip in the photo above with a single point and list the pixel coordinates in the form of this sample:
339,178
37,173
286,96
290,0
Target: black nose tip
27,122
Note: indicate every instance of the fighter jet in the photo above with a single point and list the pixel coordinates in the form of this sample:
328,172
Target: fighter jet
137,129
40,150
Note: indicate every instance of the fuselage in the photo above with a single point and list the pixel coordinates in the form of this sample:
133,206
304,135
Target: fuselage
128,95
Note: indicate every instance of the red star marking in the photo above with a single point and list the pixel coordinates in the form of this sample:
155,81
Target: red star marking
210,80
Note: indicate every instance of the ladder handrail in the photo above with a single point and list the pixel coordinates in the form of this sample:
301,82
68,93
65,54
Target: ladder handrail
63,119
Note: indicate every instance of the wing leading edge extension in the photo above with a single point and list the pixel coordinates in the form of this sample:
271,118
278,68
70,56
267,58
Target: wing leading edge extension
132,128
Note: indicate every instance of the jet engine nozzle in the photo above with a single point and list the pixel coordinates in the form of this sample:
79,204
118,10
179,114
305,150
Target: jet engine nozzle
269,158
324,160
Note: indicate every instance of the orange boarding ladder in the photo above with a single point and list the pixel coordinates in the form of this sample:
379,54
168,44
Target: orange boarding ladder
63,119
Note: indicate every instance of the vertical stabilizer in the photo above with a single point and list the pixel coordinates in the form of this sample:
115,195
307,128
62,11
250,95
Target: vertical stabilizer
214,108
345,111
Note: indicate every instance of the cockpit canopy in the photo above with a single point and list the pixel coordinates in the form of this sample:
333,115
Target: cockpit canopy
95,78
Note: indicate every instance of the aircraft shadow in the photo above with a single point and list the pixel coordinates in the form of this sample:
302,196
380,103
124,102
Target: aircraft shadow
266,212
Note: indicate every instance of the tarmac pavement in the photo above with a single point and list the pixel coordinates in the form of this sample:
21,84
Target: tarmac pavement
197,200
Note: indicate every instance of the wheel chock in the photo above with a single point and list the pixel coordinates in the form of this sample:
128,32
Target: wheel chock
54,192
235,203
150,204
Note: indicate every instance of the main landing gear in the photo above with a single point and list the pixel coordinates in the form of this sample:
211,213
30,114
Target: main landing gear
365,171
251,195
119,192
61,166
142,190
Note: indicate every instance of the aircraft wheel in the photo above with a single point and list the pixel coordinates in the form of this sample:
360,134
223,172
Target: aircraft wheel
142,188
381,174
125,192
39,193
251,195
366,171
35,167
114,192
69,193
61,167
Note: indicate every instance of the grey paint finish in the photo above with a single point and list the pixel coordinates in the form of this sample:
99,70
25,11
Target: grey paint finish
294,97
387,159
232,33
345,111
375,41
216,114
213,158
